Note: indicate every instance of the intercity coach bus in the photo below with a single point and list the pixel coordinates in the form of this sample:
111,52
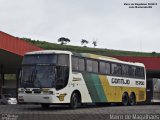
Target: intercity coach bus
62,77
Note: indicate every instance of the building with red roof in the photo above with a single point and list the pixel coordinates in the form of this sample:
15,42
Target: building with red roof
12,50
152,64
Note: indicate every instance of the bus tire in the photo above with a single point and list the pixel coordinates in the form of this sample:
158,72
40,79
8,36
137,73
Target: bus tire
132,99
45,105
75,101
125,99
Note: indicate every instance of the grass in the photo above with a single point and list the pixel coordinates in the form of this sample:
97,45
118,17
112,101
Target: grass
107,52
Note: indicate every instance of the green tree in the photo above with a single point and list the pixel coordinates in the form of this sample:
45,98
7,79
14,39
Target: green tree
84,42
94,43
63,40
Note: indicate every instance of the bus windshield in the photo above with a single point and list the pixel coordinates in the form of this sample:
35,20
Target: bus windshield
40,59
38,76
45,71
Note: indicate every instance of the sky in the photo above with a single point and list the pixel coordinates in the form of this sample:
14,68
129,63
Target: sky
109,22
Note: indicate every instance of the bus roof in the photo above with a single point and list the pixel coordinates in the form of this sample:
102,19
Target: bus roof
48,52
87,55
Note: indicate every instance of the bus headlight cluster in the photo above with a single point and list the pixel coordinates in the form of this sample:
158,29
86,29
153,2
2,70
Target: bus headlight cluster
48,92
21,91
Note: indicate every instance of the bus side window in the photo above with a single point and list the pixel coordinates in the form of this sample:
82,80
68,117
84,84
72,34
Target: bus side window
142,72
108,69
75,63
125,70
78,64
139,72
131,71
89,66
102,68
81,65
116,69
95,66
63,60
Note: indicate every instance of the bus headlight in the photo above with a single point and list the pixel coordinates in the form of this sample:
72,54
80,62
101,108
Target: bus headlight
21,91
47,91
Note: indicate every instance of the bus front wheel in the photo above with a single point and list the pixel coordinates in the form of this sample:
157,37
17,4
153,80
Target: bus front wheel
75,101
125,99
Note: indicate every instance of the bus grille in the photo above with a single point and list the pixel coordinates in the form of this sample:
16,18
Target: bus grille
37,91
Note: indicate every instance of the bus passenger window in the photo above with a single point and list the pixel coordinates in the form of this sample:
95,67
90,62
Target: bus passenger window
125,70
95,66
75,63
81,65
89,66
102,67
107,68
139,72
63,60
131,71
116,69
142,72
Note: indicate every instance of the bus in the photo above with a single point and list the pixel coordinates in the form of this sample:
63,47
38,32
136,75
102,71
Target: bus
62,77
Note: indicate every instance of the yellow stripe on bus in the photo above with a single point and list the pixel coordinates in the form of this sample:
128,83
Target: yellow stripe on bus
114,93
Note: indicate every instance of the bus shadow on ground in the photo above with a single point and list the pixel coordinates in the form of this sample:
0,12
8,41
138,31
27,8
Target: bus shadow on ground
65,107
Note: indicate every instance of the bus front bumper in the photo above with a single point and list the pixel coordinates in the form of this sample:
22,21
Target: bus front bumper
32,98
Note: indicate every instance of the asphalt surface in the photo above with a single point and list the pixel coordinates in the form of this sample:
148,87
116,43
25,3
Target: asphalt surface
35,112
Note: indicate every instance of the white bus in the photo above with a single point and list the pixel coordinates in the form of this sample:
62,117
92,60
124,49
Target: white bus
63,77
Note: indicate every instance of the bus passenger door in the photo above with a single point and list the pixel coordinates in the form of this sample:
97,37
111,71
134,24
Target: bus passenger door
62,75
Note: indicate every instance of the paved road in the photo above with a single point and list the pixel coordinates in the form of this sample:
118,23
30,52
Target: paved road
31,112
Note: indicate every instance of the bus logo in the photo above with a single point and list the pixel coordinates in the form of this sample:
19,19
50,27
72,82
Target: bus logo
120,81
61,96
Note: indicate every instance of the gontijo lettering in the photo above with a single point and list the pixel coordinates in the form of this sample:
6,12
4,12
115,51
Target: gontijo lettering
120,81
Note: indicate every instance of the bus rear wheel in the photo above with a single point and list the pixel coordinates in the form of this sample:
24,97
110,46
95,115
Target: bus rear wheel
132,99
125,99
75,101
